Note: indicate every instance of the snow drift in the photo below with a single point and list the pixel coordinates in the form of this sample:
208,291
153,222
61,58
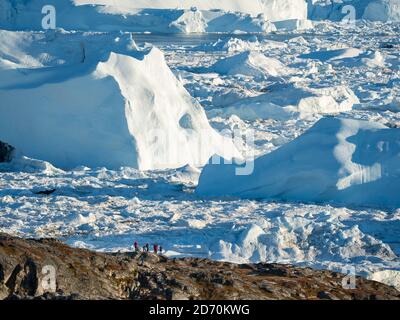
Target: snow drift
121,111
342,161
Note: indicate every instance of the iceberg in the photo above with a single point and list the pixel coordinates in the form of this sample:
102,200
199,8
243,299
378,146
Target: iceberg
340,161
123,110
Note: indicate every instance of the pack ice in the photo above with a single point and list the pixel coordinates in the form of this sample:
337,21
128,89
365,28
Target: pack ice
250,63
285,101
342,161
123,110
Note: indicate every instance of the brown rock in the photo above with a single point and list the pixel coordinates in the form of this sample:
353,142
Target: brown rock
82,274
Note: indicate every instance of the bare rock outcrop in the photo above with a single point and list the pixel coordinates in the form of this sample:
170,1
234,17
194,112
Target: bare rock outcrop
6,152
49,269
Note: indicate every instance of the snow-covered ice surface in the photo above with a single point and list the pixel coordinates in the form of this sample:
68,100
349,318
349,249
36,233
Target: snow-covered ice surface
274,9
373,10
342,161
351,72
160,16
128,106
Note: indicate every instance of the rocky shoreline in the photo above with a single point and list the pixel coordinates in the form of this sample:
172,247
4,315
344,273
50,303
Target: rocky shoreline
49,269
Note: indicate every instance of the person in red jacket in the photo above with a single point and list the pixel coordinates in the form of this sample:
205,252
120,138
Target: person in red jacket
155,247
136,245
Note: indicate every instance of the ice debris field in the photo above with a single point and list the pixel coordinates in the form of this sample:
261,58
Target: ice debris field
120,109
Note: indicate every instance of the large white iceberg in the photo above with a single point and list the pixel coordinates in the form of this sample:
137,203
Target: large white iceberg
342,161
274,10
382,10
121,111
161,16
373,10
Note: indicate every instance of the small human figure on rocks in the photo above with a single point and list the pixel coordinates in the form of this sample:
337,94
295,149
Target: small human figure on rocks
161,249
136,245
142,259
155,247
147,247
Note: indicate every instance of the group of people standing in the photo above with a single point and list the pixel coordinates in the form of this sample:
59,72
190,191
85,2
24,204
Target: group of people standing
146,248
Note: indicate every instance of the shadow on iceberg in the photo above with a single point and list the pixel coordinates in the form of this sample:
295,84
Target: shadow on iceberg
338,161
118,109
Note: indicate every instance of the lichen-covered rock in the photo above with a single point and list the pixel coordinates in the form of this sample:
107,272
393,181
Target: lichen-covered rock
26,265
